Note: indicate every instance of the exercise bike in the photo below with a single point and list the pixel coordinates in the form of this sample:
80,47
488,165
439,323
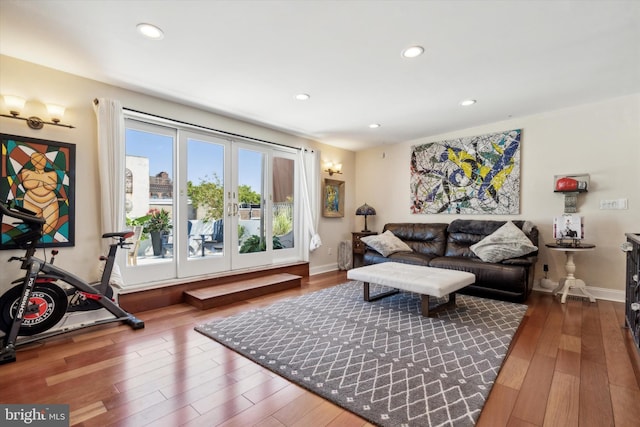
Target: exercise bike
47,293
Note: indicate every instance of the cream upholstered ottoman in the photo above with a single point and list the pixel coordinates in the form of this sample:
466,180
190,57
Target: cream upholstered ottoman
426,281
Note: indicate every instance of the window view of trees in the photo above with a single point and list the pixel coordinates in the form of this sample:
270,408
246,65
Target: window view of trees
208,196
247,196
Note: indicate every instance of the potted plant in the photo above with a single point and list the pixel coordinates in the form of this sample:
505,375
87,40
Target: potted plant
138,222
159,223
255,244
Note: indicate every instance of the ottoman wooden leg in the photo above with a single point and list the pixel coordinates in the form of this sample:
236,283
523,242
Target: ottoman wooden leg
369,297
425,305
451,303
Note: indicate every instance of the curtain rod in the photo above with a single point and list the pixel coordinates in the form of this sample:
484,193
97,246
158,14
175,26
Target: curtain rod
96,102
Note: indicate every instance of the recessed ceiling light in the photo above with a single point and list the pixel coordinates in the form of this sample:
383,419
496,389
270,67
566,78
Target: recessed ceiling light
412,51
302,96
150,31
468,102
374,125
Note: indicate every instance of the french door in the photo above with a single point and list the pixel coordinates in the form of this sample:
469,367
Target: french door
205,179
149,189
231,204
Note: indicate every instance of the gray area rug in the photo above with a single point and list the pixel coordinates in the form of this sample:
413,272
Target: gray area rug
381,360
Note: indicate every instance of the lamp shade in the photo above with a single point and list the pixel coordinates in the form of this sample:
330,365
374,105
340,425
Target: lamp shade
55,111
14,103
365,210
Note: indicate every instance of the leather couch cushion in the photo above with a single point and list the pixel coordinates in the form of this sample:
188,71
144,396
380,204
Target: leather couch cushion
472,226
424,238
373,257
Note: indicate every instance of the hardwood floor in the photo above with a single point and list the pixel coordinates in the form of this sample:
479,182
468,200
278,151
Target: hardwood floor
570,365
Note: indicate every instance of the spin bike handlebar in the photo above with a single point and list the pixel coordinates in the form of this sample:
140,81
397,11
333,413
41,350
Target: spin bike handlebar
24,215
30,227
35,223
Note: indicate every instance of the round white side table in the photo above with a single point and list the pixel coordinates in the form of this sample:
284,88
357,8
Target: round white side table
570,281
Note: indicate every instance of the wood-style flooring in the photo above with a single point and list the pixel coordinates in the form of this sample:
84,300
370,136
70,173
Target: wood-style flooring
570,365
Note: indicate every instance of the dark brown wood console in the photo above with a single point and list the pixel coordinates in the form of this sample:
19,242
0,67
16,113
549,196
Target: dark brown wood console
632,299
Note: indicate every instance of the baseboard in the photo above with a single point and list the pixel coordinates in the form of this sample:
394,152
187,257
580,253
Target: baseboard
599,293
323,269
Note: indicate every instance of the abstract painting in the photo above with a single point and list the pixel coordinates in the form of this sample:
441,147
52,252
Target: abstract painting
39,176
471,175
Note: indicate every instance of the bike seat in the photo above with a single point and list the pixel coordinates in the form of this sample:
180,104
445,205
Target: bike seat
120,234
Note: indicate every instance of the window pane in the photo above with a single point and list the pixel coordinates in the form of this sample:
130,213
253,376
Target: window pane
149,193
205,189
251,232
283,185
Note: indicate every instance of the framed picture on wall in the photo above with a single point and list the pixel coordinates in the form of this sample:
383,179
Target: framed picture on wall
39,175
333,198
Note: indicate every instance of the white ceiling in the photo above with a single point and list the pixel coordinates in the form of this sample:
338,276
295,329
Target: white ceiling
247,59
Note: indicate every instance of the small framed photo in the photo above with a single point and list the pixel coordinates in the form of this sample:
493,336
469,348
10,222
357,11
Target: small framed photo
333,198
568,227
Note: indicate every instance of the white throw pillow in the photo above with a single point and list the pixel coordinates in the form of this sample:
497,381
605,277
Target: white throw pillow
506,242
116,276
386,243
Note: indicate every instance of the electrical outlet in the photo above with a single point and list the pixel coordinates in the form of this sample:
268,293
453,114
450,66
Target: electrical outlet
329,251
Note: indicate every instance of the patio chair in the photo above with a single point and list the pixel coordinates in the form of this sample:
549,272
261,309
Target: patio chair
167,245
214,241
134,241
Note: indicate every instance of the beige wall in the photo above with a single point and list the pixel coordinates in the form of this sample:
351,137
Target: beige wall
39,84
601,139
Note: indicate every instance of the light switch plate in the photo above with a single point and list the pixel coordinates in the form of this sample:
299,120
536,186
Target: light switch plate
614,204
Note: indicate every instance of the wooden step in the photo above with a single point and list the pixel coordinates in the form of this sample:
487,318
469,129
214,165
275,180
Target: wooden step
215,296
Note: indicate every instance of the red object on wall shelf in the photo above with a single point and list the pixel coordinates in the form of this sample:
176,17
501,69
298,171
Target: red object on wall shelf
567,184
570,185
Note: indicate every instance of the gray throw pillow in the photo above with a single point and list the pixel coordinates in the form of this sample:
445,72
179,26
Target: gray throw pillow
386,243
506,242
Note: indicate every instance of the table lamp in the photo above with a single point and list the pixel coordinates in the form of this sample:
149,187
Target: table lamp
365,210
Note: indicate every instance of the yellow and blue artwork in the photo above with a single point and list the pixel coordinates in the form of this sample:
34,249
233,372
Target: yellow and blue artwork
471,175
333,198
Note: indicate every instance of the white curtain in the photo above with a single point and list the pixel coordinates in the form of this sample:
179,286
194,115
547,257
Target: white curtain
111,163
309,167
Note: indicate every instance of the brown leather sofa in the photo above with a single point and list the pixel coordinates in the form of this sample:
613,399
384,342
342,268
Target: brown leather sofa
448,246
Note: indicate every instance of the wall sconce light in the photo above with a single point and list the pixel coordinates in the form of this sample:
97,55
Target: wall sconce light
15,104
332,168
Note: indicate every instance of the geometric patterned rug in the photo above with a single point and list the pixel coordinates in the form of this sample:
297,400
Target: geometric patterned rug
381,360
